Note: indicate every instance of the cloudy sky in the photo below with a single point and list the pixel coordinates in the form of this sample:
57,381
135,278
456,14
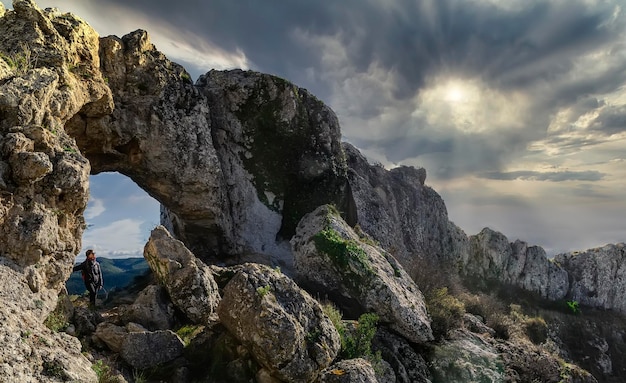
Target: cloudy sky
516,108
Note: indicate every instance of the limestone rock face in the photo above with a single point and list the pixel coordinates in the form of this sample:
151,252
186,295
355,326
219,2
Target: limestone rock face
492,257
331,258
467,357
188,281
43,182
43,179
280,151
597,276
406,217
30,352
284,327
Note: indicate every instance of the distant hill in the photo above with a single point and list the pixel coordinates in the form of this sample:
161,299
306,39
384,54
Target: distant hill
117,274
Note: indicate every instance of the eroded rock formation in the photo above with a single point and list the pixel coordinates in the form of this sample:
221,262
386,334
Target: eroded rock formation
236,160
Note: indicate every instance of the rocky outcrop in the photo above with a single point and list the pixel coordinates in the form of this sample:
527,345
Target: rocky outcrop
406,217
597,277
235,160
43,179
31,352
284,327
43,182
493,258
280,151
332,259
188,281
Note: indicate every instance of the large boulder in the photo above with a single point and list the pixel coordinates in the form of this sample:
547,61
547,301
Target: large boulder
146,349
466,357
332,259
597,276
285,329
152,309
188,281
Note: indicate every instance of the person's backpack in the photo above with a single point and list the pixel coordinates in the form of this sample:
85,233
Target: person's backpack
90,272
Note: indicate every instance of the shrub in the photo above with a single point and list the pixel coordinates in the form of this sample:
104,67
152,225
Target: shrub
446,312
356,341
188,332
536,329
573,306
104,373
500,324
22,61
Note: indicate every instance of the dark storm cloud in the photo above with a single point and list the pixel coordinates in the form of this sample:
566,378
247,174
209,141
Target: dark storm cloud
591,175
510,48
612,120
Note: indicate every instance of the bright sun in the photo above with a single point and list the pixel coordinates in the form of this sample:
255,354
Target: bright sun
454,93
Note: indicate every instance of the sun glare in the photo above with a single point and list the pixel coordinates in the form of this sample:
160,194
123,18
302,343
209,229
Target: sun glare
454,93
468,105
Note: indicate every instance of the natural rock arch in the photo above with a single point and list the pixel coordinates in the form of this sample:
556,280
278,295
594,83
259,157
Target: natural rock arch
235,160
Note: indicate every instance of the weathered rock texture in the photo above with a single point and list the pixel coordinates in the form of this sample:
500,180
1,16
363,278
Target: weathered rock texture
407,218
284,327
492,257
597,276
331,258
188,281
349,371
146,349
235,160
43,180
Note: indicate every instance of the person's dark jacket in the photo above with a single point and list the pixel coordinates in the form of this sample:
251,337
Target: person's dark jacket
92,274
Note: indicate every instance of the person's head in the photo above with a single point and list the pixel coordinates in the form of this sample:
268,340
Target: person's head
90,254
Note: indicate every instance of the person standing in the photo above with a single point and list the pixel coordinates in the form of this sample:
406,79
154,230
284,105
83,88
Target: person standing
92,275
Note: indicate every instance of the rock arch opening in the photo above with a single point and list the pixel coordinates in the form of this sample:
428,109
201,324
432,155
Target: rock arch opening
119,216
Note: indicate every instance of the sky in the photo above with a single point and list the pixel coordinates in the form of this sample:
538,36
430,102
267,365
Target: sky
515,108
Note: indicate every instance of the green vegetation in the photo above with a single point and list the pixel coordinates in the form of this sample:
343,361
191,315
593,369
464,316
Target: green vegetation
263,290
56,321
186,77
20,62
536,329
54,369
342,251
188,332
104,373
573,306
445,310
356,340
